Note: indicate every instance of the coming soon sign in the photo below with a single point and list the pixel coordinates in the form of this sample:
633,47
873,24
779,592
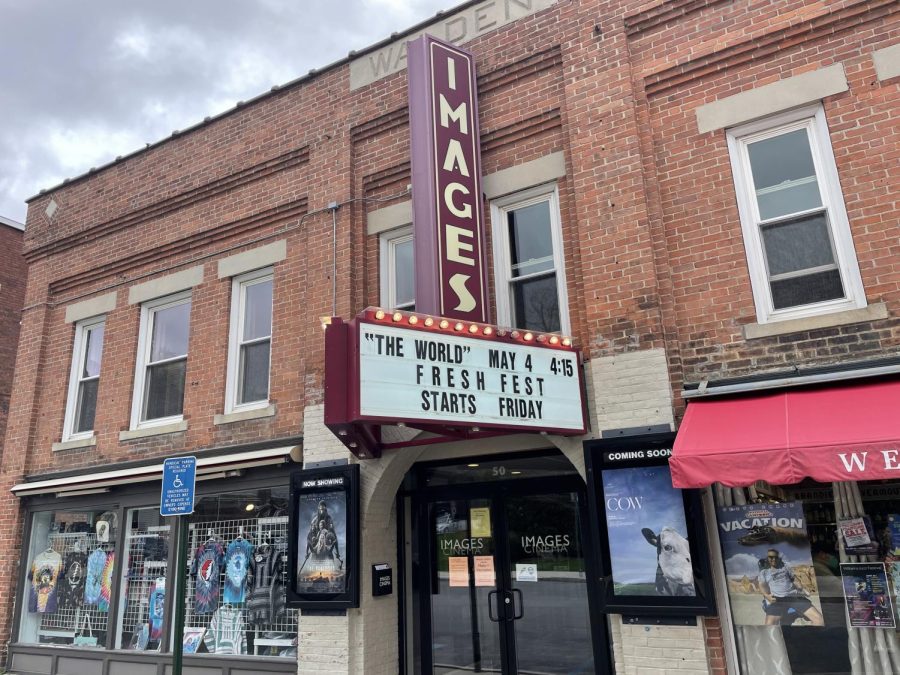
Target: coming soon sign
448,215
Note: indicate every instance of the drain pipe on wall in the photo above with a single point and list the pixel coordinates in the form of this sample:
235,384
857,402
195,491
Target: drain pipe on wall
333,206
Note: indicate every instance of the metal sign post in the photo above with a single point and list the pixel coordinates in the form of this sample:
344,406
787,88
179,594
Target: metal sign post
177,500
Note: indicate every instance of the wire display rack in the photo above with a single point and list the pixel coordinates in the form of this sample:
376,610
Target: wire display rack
74,618
270,629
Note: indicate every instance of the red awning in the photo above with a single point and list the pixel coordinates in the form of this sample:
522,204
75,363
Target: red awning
828,433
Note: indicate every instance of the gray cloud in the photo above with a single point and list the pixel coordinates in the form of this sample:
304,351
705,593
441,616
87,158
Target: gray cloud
83,82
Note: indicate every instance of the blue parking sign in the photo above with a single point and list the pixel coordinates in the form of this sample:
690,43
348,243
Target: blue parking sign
177,498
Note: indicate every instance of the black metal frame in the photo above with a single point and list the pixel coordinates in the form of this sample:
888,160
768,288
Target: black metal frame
349,475
704,603
423,555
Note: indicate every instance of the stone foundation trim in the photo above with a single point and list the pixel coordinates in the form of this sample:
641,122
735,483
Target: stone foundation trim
172,283
872,312
772,98
162,429
254,259
243,415
91,307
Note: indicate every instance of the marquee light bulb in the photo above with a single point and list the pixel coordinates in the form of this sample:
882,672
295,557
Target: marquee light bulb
541,338
554,340
514,335
500,333
567,342
413,320
488,330
529,337
379,314
473,328
458,326
444,323
429,322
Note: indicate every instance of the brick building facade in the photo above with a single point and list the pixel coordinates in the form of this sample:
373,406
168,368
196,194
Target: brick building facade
12,292
631,123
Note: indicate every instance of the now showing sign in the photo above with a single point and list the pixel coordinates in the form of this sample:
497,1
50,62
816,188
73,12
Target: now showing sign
419,376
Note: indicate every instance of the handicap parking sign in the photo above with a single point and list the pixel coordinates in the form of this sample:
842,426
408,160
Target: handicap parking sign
177,498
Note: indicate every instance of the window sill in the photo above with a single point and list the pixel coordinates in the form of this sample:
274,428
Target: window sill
133,434
242,415
753,331
74,444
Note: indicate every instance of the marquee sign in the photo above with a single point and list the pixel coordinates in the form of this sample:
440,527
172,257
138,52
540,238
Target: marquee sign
446,376
448,214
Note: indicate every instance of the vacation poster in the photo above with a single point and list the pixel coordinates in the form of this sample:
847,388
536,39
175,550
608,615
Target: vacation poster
648,545
867,596
768,565
322,542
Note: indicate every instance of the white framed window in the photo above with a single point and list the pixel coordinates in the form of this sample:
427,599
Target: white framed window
397,270
159,375
797,237
84,379
249,342
528,261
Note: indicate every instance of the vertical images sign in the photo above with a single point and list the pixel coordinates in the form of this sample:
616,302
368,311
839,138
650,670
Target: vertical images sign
648,538
324,537
769,565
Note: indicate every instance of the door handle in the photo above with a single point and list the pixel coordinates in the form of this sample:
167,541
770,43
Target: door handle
518,612
490,604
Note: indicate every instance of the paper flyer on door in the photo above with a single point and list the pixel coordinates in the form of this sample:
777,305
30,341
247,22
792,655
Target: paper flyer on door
769,565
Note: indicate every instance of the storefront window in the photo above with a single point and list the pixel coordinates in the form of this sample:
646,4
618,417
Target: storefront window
71,561
144,566
235,601
811,576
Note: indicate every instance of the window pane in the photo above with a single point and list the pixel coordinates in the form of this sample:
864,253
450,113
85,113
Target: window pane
530,240
93,351
238,571
797,245
71,562
142,601
257,310
404,273
536,304
164,394
170,332
254,369
86,406
784,174
807,289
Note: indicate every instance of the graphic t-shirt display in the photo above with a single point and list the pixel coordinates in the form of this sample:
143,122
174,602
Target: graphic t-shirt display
96,564
206,569
238,561
156,607
267,595
44,575
71,585
106,582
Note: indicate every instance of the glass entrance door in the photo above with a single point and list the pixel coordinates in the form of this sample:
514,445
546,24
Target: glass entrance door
503,579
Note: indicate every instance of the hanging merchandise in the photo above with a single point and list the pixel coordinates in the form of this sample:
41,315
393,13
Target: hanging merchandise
106,582
238,561
206,568
44,575
266,581
225,634
156,607
71,586
96,563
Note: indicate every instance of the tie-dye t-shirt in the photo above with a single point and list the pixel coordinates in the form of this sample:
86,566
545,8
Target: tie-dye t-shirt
237,565
106,582
206,570
96,563
44,576
157,608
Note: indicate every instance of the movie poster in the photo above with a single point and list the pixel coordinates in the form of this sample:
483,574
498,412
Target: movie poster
322,542
648,545
768,565
867,596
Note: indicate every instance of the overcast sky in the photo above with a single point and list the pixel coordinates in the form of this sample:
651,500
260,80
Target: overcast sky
84,81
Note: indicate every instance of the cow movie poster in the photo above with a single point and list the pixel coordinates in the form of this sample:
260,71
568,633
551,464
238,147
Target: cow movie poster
768,564
867,596
648,545
322,542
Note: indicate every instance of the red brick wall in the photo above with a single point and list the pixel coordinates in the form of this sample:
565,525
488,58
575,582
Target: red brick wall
12,294
653,250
